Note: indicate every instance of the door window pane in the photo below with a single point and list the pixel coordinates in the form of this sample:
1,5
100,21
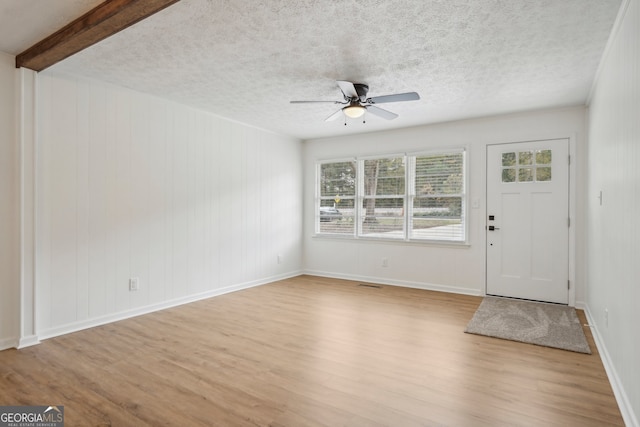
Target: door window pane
508,159
543,157
508,175
525,175
543,174
525,157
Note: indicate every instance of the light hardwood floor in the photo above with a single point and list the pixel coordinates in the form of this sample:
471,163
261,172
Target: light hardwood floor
309,351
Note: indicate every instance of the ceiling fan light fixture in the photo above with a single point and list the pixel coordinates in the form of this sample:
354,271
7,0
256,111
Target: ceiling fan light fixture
354,111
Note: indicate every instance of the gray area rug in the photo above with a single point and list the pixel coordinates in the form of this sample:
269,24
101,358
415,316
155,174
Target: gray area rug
537,323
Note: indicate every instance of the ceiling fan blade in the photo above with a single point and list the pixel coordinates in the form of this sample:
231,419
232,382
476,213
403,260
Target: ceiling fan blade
348,89
381,113
334,116
409,96
313,102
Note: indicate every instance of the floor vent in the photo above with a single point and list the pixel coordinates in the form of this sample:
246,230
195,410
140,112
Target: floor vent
370,286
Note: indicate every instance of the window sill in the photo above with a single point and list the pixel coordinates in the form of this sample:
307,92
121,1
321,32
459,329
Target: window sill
440,243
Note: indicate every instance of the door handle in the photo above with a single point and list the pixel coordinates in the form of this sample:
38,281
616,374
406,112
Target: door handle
492,228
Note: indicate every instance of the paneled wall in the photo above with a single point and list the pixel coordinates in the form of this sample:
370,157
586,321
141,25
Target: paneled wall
614,218
131,186
440,267
9,200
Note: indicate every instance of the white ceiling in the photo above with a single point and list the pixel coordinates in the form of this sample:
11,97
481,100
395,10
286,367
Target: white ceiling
23,23
246,59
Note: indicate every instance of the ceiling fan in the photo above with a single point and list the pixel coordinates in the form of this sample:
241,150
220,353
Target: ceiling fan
356,101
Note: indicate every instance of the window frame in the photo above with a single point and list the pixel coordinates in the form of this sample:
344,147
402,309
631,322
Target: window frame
319,198
360,191
463,195
408,197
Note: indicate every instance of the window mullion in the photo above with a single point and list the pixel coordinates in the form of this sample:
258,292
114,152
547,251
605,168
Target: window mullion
359,198
410,191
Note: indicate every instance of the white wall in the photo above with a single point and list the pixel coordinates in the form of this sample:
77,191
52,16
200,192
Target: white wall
9,198
135,186
614,226
449,268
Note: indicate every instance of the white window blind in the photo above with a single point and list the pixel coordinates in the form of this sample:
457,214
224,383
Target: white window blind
335,211
438,198
382,211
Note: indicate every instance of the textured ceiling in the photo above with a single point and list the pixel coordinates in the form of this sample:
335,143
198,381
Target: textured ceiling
23,23
246,59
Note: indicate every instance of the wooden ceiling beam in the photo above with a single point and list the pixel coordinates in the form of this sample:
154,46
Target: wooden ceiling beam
101,22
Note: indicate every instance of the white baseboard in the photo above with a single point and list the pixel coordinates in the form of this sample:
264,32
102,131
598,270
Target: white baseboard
28,341
110,318
630,418
407,284
7,343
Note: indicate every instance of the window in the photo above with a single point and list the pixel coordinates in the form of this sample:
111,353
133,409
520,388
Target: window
438,203
526,166
401,197
383,198
336,189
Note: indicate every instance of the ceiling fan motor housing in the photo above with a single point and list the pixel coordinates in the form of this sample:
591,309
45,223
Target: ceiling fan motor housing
362,90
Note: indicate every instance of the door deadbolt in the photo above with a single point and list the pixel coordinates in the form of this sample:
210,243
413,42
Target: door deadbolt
492,228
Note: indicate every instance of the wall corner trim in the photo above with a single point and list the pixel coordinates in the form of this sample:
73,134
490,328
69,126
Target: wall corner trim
612,36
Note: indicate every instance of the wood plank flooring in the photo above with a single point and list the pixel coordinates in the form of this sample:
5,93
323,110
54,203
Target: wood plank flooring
309,351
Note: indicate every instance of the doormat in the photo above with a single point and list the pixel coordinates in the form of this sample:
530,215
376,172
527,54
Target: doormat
548,325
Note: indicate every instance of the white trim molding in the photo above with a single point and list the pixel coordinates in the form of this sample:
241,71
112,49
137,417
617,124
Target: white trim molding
630,418
27,341
391,282
26,133
103,320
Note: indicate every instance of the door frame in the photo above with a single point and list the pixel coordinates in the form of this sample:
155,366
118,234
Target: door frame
572,210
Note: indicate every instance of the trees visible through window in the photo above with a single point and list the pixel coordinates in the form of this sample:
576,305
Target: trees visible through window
383,201
336,189
406,197
526,166
438,202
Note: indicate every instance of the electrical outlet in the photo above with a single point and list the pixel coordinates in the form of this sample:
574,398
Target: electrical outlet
134,284
385,262
606,317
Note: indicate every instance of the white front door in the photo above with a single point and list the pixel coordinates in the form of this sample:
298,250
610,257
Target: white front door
528,220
